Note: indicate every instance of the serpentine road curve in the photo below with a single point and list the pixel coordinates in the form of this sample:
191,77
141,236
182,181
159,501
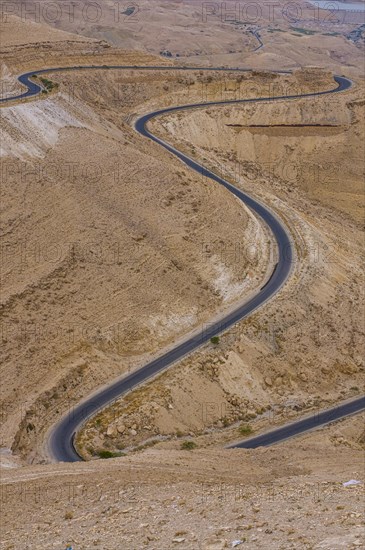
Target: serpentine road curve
61,438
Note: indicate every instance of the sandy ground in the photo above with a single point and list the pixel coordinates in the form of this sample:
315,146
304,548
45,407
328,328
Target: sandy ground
113,250
285,497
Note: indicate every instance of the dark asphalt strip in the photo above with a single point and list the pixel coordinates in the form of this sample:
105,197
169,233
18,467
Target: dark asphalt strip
312,422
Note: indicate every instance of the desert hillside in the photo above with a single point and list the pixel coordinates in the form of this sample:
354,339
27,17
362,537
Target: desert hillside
116,269
113,251
261,35
302,351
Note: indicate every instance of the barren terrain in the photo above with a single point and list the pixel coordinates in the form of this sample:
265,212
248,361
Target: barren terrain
77,326
112,250
285,497
305,349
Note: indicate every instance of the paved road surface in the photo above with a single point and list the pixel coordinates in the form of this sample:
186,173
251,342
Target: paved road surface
312,422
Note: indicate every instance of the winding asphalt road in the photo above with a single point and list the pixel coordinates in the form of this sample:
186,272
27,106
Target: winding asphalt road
61,439
312,422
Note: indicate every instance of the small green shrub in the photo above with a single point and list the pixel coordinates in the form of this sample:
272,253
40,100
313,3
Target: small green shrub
245,429
215,340
188,445
108,454
48,84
